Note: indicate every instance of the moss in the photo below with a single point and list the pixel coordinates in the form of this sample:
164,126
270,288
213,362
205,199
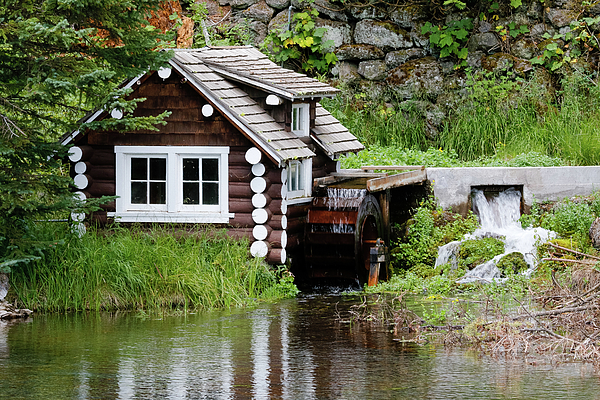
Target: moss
477,251
513,263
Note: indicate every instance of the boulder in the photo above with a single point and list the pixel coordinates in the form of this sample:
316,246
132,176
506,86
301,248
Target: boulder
278,4
347,72
560,17
385,35
503,61
259,12
339,32
484,41
399,57
370,12
280,21
241,3
324,7
373,70
260,32
406,16
359,52
422,76
524,48
4,286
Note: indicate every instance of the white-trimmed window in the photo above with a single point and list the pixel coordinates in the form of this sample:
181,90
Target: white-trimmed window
300,119
299,178
172,184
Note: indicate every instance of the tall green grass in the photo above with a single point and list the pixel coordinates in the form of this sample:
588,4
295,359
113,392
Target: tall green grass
124,268
500,119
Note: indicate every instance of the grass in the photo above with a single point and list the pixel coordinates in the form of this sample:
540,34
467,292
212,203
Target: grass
502,122
163,268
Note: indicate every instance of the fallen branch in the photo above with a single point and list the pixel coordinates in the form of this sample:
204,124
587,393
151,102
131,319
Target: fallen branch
572,251
586,262
554,312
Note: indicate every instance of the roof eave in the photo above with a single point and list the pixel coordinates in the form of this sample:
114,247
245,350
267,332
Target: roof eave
250,134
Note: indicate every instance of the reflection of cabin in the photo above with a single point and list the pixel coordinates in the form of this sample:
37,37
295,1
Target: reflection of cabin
241,148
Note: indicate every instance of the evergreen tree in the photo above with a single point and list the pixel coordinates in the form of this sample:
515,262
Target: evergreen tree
60,59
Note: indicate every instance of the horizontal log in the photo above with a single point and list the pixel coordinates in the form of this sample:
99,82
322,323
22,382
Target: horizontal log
240,233
99,218
240,173
278,239
83,181
80,153
240,190
261,232
261,215
261,200
297,210
294,241
279,206
242,220
278,222
102,172
102,188
277,256
259,248
274,175
237,205
103,156
331,166
277,191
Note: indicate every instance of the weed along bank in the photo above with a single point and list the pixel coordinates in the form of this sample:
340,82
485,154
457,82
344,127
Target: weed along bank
240,150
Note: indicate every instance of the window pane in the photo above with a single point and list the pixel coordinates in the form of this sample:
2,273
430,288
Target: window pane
139,169
293,177
158,169
190,170
191,193
210,169
300,176
210,193
139,193
295,125
158,193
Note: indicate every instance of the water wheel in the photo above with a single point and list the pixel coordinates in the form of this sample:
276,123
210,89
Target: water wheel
341,228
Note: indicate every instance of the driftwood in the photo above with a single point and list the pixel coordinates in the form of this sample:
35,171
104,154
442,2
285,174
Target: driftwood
7,311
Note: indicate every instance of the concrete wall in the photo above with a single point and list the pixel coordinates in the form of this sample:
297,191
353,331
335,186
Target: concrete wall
452,186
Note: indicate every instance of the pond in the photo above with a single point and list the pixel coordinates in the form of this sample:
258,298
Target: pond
294,349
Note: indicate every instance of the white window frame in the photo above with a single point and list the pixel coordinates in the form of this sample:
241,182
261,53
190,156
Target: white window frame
301,123
174,210
305,177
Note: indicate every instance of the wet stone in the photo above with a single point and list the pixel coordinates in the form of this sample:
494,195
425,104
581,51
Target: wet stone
348,72
385,35
338,32
399,57
359,52
560,18
484,42
374,70
278,4
259,12
407,16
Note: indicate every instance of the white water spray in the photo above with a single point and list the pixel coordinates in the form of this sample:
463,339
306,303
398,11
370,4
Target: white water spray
340,198
499,217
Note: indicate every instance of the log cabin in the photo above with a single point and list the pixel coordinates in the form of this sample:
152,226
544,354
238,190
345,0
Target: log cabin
241,148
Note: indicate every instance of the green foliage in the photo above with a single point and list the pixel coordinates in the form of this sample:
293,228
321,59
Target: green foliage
477,251
512,30
60,60
302,45
566,48
450,39
138,269
513,263
377,123
570,219
429,228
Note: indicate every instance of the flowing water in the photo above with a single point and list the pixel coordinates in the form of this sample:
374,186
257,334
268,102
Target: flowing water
294,349
498,217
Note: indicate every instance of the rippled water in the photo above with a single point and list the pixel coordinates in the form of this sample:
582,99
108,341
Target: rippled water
290,350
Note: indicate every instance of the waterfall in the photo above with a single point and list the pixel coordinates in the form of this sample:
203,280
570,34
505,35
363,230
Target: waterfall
340,198
498,217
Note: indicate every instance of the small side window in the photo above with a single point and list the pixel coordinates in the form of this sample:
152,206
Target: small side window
300,119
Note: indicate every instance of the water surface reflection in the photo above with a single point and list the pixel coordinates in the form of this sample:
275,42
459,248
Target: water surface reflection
290,350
